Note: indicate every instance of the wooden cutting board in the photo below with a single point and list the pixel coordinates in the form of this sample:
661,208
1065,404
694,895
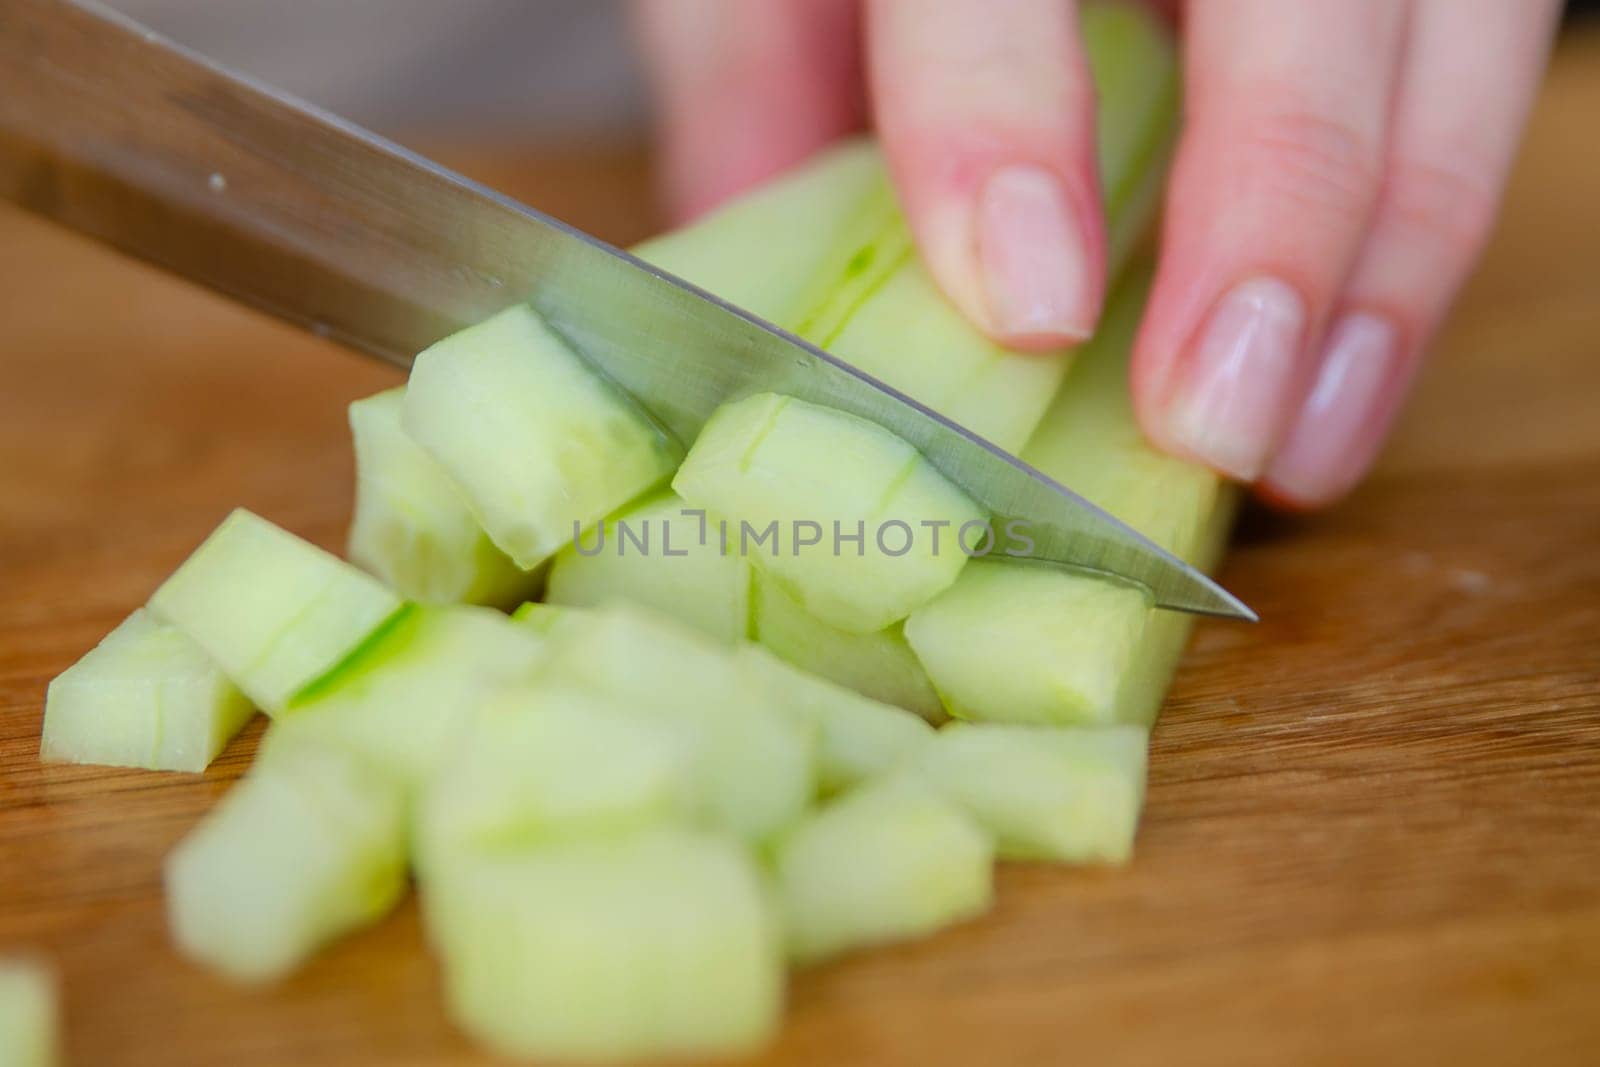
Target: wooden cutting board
1373,829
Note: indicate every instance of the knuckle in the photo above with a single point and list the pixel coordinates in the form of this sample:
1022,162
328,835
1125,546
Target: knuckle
1450,203
1313,160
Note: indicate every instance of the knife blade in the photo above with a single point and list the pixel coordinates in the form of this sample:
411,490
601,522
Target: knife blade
113,130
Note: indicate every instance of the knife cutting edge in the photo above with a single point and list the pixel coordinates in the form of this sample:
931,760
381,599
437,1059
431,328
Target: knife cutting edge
113,130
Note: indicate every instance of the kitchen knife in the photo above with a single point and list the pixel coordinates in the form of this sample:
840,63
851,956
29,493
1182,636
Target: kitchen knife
117,132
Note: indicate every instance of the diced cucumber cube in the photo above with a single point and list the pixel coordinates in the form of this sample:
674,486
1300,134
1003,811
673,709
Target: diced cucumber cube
857,737
412,527
547,764
309,845
797,472
880,665
658,554
537,442
27,1015
754,762
403,699
887,861
273,611
657,943
1069,794
146,696
1058,655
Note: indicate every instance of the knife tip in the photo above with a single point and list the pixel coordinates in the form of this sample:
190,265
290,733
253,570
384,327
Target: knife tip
1206,597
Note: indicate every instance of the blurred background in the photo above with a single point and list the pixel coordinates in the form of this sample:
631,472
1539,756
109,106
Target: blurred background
462,71
458,70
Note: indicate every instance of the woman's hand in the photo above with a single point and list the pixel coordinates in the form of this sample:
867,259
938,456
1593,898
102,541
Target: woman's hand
1340,166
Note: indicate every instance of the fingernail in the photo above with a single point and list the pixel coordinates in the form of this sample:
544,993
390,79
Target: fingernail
1340,426
1034,265
1233,386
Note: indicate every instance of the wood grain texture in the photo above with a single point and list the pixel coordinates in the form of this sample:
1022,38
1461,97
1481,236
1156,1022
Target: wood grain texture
1373,830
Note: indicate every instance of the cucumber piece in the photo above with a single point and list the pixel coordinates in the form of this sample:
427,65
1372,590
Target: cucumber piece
879,665
1072,794
146,696
655,554
273,611
764,250
657,943
309,845
761,462
412,527
542,619
1013,642
857,737
402,699
27,1015
911,337
886,861
546,764
1078,635
754,763
538,444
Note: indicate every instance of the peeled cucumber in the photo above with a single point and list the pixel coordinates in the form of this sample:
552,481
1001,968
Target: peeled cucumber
27,1015
402,699
412,527
146,696
718,594
886,861
857,737
1016,642
880,665
309,845
273,611
1065,794
537,442
660,554
795,228
754,764
541,765
661,942
762,463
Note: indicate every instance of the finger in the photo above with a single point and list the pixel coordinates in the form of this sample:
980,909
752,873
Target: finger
746,90
985,109
1274,183
1471,72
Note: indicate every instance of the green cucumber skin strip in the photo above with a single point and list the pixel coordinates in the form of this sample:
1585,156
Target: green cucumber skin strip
393,630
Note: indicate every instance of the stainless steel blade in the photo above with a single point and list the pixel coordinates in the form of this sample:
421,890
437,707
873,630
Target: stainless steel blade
117,132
